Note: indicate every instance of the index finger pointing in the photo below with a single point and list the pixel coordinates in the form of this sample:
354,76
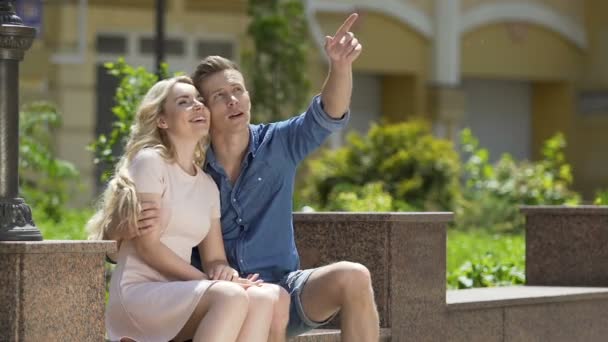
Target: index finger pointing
348,23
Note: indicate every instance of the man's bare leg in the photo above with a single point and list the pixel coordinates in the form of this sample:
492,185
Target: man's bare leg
344,287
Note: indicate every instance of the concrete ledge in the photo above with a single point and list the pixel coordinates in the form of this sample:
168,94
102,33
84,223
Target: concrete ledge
426,217
333,335
53,290
532,210
566,246
497,297
56,246
405,254
555,314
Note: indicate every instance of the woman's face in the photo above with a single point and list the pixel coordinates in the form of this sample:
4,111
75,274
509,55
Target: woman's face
184,117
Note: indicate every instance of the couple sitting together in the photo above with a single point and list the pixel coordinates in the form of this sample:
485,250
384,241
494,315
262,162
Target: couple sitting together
201,206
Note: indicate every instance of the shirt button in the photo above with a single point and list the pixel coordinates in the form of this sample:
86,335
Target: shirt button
259,179
240,220
234,200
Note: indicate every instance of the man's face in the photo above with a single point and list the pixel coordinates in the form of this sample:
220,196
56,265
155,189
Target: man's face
228,100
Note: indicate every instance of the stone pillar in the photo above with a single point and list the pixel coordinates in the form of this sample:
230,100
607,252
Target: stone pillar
16,222
405,254
566,246
52,290
446,98
447,108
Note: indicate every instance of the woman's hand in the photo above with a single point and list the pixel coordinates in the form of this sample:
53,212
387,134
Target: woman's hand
222,271
251,280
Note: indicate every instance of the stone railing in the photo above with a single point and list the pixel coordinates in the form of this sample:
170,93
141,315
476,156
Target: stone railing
52,290
566,263
405,253
566,246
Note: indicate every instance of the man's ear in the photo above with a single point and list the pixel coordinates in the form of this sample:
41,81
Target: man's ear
161,123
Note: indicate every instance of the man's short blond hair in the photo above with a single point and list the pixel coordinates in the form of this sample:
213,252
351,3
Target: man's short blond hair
209,66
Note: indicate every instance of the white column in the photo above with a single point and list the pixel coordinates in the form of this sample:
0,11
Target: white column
446,45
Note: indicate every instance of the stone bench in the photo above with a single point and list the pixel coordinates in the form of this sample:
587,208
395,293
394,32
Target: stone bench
333,335
53,290
528,313
566,246
565,299
406,255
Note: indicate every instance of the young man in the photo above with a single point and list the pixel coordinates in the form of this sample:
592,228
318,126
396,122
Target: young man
254,167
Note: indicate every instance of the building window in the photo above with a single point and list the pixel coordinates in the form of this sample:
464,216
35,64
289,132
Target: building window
111,44
173,47
206,48
593,102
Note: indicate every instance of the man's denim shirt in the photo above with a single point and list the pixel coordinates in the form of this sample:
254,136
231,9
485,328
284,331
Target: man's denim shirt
257,221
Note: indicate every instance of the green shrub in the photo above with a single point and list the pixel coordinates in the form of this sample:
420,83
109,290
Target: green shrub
277,62
601,197
493,193
45,181
134,84
397,167
70,226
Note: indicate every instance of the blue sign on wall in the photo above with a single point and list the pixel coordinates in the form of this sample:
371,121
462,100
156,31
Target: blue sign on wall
30,11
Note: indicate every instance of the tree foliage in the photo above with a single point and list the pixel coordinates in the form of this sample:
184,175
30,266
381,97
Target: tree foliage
134,84
45,181
277,65
397,167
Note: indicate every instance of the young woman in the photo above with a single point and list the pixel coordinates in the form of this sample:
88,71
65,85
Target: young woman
155,294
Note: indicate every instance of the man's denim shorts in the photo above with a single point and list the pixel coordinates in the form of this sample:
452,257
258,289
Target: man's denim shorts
299,323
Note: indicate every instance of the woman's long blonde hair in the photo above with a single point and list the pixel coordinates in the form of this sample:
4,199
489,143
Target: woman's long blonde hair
119,206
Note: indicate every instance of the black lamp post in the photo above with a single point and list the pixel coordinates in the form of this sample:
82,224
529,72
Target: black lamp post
16,222
160,37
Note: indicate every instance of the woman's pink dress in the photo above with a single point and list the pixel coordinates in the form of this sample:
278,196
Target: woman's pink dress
145,305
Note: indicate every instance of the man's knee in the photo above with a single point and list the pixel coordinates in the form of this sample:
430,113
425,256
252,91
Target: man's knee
353,277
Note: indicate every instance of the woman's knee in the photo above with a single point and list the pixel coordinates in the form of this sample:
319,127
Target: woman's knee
261,296
280,315
228,293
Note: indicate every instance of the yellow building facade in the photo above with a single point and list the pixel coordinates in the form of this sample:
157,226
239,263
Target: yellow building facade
513,71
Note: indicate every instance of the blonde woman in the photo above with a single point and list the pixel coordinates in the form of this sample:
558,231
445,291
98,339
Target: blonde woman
155,294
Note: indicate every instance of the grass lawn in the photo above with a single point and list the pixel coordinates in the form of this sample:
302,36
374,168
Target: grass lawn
480,259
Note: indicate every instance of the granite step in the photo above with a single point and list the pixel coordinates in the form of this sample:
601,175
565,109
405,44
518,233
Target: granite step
333,335
507,296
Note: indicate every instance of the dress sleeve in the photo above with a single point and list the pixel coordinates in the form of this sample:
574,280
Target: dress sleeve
215,199
147,170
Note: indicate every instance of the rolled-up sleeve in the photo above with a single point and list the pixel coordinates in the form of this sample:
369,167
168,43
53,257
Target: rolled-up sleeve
304,133
325,120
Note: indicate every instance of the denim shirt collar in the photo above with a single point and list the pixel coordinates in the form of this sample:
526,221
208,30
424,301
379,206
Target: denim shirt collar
211,160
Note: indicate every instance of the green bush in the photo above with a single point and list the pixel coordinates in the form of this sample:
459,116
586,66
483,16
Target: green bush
397,167
134,84
45,181
481,259
601,197
70,226
277,62
493,193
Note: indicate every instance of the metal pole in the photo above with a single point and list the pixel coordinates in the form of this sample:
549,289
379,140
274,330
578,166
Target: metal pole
160,37
16,222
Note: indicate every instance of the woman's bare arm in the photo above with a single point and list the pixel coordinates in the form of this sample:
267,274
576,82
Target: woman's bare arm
158,255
